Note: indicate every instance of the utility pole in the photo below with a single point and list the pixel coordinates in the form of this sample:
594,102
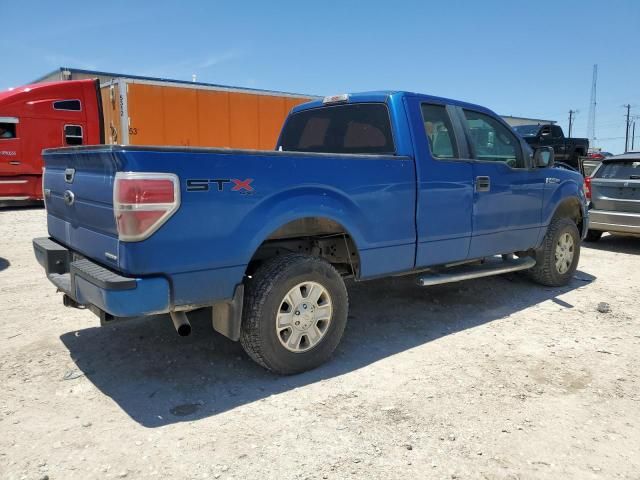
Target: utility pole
591,121
571,114
626,133
633,136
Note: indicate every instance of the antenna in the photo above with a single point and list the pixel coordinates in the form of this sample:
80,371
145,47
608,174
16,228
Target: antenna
591,122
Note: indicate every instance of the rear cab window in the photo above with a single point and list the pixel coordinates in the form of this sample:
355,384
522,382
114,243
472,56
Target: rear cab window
358,128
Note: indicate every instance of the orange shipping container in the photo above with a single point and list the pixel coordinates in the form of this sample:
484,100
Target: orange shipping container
151,112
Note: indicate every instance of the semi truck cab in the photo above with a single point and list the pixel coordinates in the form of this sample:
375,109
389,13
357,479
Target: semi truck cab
39,116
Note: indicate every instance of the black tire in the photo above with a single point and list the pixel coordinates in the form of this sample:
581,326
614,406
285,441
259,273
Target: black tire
545,271
265,292
593,235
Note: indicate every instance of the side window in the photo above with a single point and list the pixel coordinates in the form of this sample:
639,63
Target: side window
73,135
7,130
556,132
73,105
546,130
439,130
492,141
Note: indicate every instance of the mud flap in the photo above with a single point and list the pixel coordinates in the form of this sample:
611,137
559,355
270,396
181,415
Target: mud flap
227,316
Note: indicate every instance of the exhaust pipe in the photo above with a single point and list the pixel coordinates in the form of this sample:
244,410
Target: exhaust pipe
181,323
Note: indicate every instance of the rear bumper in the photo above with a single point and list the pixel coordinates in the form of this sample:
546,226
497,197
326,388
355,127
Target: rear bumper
608,221
92,285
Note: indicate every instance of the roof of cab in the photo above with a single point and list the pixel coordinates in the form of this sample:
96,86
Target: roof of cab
16,94
382,96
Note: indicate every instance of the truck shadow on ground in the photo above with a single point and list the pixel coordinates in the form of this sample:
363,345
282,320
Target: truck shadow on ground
159,378
616,243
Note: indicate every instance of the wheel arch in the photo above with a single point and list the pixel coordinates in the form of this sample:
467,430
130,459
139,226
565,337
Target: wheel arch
322,236
571,208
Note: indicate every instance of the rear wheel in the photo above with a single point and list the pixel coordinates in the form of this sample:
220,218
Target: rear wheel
593,235
295,312
557,258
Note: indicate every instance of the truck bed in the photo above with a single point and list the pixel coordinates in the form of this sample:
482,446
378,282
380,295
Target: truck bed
217,227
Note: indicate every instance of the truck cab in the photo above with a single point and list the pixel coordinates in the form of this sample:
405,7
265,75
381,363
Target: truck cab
40,116
566,149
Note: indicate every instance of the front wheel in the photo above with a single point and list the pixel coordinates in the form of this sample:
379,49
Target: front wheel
295,312
557,258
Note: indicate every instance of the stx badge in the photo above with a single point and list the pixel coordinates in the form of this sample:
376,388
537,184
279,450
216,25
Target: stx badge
202,185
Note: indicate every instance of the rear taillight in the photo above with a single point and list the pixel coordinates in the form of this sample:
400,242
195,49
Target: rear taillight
142,202
587,187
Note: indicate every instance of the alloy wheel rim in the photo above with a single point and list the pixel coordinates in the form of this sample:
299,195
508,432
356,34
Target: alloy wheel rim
565,250
304,317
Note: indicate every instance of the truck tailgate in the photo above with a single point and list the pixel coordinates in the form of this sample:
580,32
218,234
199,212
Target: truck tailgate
78,188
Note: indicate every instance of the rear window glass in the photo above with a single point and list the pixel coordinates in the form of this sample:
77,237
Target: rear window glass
358,128
624,170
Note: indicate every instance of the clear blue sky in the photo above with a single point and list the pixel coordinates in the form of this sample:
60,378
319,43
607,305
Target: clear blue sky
519,58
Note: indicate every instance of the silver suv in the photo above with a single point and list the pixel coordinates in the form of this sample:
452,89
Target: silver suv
614,192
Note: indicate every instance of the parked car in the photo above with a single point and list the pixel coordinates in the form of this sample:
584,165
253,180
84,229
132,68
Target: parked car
599,155
613,192
568,150
363,186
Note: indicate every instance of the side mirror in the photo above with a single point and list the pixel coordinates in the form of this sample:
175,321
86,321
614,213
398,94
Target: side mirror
543,157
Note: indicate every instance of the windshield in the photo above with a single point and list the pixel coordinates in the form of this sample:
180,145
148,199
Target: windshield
527,130
356,128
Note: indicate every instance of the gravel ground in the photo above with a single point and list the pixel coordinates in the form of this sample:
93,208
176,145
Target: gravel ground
496,378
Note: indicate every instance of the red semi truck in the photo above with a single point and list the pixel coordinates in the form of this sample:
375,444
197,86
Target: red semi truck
128,111
41,116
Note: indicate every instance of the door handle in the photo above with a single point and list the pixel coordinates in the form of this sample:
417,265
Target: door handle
483,184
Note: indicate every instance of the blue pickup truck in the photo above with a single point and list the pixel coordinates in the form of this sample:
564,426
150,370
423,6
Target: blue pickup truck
363,186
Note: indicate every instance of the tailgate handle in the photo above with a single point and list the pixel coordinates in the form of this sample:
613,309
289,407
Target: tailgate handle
68,175
483,184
